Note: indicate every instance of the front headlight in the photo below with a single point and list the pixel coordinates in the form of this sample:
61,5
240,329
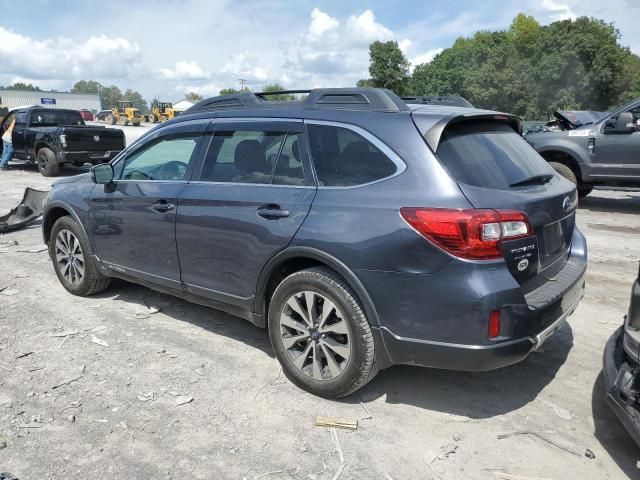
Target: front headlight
63,140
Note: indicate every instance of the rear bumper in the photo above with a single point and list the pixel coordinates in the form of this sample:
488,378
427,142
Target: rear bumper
87,157
451,356
616,369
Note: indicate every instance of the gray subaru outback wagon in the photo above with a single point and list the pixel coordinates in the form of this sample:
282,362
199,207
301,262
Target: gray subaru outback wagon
362,232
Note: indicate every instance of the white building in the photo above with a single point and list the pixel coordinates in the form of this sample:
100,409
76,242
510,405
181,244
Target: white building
74,101
183,105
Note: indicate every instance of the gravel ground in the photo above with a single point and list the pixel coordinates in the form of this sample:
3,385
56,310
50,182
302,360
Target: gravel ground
91,387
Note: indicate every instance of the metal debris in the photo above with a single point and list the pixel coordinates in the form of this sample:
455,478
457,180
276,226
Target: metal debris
575,450
96,340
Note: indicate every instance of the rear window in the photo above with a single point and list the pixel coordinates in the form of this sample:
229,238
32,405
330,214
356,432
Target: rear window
489,154
55,118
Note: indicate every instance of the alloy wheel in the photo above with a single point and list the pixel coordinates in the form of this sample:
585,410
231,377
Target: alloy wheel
315,335
69,257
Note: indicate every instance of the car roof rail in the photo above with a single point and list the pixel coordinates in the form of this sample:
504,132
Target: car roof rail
367,99
448,100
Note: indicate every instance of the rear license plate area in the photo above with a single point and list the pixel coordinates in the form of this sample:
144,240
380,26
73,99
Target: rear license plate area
554,239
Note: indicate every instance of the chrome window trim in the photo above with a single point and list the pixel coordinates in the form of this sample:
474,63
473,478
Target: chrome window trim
256,119
379,144
203,182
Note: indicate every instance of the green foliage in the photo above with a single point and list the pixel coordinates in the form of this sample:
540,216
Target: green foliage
275,87
22,86
364,82
136,99
532,70
193,97
110,95
388,67
231,91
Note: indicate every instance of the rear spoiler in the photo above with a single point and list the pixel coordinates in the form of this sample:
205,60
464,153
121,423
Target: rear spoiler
432,131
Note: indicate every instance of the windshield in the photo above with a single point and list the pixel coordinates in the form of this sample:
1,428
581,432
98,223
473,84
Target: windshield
490,155
55,118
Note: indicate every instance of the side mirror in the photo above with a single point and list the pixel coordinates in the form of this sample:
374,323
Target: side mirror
102,174
622,124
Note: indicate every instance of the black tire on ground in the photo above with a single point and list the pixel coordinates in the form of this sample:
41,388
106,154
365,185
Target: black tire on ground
584,190
47,162
360,367
565,171
92,280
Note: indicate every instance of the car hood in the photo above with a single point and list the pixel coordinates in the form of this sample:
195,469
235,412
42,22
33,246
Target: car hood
570,119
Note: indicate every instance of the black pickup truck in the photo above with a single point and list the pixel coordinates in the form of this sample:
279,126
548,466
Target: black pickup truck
50,137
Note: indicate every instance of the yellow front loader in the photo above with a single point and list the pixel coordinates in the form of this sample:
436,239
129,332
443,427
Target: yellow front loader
124,113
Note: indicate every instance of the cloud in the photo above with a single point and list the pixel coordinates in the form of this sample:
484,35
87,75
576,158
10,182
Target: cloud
558,11
425,57
364,29
62,58
321,23
246,66
404,45
184,70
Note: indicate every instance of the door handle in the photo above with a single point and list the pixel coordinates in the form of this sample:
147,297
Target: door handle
163,206
271,212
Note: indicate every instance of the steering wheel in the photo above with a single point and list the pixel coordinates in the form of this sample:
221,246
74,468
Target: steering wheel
173,170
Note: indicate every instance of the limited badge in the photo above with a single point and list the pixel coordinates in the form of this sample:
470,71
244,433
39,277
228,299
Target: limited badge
523,264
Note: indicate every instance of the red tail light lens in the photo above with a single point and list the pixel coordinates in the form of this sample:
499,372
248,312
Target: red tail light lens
474,234
494,324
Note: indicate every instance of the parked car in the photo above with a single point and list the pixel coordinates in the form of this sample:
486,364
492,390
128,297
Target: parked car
86,115
51,137
594,148
360,232
622,366
103,115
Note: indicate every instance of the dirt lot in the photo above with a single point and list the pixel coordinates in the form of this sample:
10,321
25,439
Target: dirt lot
117,416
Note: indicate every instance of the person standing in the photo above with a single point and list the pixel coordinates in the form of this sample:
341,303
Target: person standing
7,146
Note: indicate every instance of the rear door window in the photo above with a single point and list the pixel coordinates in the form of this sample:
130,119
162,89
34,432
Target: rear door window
490,155
55,118
343,157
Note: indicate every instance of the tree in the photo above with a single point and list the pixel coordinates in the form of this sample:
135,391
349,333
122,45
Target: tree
233,91
364,82
109,96
136,99
193,97
532,70
22,86
275,87
388,67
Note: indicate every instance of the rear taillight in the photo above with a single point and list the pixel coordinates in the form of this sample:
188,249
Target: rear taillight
474,234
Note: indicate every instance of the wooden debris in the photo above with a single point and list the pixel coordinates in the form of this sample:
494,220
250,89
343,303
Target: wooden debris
339,422
66,382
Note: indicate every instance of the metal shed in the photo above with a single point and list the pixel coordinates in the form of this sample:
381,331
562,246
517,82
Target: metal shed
75,101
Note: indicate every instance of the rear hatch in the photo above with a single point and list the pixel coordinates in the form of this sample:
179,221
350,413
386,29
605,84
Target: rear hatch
497,169
93,139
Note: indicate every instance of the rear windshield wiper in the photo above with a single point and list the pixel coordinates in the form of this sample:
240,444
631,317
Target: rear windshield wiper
536,179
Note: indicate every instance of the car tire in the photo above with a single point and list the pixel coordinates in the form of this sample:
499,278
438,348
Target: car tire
74,265
584,190
47,163
565,171
330,356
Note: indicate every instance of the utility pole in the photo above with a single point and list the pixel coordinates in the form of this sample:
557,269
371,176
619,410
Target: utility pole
242,80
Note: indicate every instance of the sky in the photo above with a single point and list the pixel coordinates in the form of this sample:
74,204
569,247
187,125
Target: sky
166,48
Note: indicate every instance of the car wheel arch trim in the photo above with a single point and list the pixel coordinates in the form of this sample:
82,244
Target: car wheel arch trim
70,212
329,261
